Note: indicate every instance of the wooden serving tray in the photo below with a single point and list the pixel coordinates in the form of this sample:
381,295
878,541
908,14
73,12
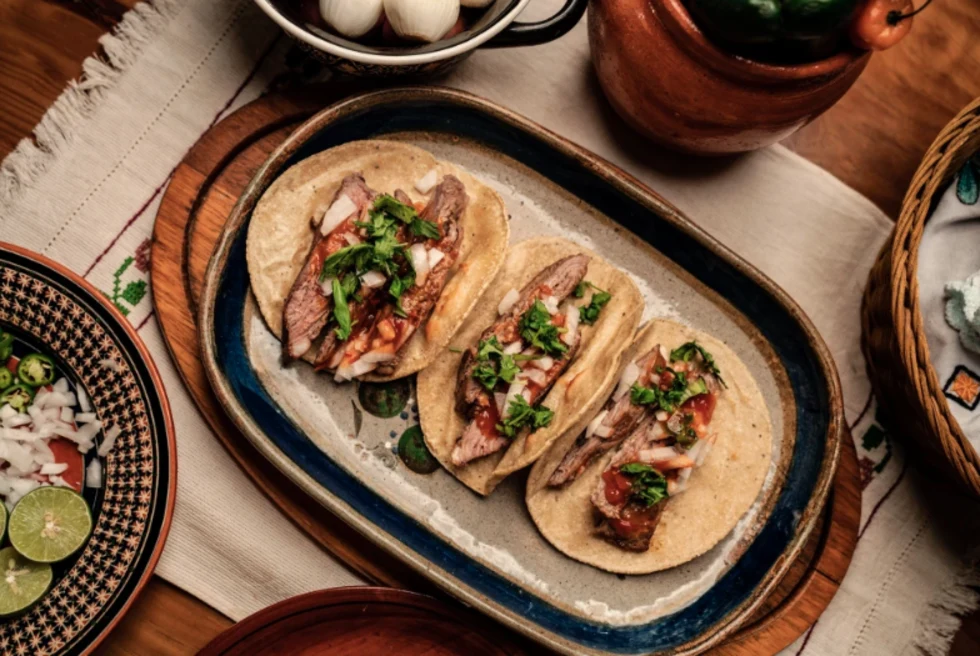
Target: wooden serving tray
201,194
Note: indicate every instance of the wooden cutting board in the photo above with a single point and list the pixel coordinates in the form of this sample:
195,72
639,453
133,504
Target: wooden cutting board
204,188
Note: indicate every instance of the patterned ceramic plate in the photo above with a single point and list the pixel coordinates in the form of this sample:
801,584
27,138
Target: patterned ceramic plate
357,451
50,310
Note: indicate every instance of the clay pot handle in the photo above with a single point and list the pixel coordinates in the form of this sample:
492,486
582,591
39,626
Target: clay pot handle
531,34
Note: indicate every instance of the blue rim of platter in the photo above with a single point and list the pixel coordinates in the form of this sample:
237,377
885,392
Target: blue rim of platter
801,352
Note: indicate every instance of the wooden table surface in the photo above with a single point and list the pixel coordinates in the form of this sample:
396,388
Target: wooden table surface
872,140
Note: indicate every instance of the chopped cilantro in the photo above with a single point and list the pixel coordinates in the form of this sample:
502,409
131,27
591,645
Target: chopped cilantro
350,284
521,414
687,436
685,352
423,228
668,400
538,331
399,210
453,349
580,288
589,314
647,484
341,311
399,285
493,364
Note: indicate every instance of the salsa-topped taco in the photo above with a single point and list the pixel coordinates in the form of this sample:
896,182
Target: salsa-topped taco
365,259
666,468
541,349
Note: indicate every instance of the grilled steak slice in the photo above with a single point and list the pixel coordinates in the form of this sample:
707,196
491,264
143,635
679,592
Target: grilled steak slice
479,405
391,331
637,540
621,417
307,309
558,280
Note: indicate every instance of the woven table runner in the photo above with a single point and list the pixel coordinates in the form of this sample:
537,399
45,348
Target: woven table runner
86,189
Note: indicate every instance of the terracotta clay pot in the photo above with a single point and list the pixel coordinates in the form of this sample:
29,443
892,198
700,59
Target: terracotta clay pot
667,80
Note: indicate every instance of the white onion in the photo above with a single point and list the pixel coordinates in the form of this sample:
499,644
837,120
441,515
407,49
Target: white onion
435,257
85,417
655,379
83,402
17,421
571,322
377,357
658,454
6,412
536,376
109,440
595,423
678,484
428,181
544,363
93,474
604,431
500,399
702,453
508,301
111,365
513,348
420,261
358,368
421,20
626,380
52,468
54,414
67,415
661,415
351,238
341,209
61,385
516,388
551,304
373,279
351,18
59,481
327,287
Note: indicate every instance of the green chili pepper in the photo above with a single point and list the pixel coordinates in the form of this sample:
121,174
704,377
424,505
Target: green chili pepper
6,378
17,396
36,370
6,346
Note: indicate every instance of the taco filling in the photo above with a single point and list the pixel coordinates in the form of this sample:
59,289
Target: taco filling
655,461
503,378
375,271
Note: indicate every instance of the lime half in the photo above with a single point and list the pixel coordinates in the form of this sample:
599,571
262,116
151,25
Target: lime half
49,524
3,521
22,582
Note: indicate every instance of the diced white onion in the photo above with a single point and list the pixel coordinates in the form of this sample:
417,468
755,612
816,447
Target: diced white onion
427,181
83,402
67,415
551,303
351,238
85,417
61,385
109,440
420,261
571,322
702,453
661,415
373,279
93,474
59,481
536,376
358,368
327,287
604,431
544,363
513,348
626,380
677,484
53,468
342,208
516,389
6,412
595,423
111,365
655,379
435,257
16,421
508,301
377,357
658,454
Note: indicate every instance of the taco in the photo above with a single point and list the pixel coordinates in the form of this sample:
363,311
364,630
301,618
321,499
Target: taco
365,259
541,349
669,464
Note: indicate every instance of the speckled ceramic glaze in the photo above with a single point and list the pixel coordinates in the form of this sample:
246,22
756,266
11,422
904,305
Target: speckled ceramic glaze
487,551
496,28
50,310
668,81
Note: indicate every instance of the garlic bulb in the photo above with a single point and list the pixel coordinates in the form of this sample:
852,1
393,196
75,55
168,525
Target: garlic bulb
352,18
476,3
422,20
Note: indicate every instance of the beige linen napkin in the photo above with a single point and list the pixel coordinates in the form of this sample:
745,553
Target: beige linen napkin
87,193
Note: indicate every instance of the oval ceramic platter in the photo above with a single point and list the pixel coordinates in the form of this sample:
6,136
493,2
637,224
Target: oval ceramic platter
341,443
52,311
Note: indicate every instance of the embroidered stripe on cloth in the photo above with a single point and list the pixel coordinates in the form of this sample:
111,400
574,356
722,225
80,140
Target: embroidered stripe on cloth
86,193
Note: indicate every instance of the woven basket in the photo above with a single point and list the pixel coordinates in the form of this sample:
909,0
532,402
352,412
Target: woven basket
894,340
